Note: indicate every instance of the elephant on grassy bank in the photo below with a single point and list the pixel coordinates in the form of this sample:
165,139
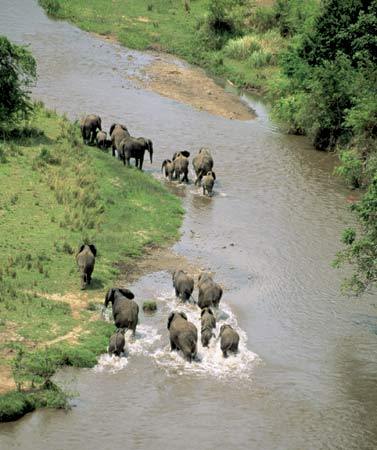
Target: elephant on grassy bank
208,182
89,126
202,163
131,147
117,133
101,140
125,309
183,285
86,258
183,335
210,292
168,165
181,164
208,323
229,339
117,343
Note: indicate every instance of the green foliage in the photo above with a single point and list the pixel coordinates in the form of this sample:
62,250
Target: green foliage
149,306
360,247
351,168
17,74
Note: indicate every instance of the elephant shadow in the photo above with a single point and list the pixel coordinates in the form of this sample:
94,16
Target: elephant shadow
95,284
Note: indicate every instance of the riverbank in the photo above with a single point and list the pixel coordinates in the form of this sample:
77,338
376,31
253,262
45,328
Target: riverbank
170,27
57,194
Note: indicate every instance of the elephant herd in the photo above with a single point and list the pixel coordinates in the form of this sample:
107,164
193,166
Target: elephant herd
127,147
177,167
183,334
121,142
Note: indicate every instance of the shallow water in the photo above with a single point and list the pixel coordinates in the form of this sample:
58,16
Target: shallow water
306,375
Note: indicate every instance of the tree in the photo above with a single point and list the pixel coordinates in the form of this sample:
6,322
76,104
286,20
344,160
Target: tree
17,75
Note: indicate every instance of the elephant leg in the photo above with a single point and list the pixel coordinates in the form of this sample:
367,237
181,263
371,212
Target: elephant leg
141,160
204,190
185,177
173,346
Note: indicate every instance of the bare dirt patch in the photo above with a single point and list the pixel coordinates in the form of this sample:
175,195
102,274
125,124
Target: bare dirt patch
192,86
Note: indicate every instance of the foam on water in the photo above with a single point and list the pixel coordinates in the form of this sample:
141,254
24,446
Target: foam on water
209,361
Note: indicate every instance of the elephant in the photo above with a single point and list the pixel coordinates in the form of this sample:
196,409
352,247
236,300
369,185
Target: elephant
183,334
131,147
181,163
183,285
102,141
208,182
125,309
229,340
89,126
117,133
203,163
168,165
208,323
117,343
86,258
210,292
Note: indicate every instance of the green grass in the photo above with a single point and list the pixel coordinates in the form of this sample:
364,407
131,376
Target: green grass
57,193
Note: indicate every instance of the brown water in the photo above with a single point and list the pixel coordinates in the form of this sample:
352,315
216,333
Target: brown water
306,376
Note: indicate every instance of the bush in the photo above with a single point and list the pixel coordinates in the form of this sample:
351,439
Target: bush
260,58
17,74
241,48
149,306
351,168
52,7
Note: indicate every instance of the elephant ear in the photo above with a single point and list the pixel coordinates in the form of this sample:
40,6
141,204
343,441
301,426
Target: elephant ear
183,315
109,296
81,248
185,153
127,293
210,311
176,154
170,318
93,249
112,128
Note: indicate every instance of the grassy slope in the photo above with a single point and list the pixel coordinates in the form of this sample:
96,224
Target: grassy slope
56,193
164,25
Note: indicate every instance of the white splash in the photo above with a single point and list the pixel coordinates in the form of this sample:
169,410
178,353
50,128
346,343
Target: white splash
209,361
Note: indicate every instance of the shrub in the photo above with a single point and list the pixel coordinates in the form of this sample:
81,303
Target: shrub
241,48
52,7
17,74
260,58
351,168
149,306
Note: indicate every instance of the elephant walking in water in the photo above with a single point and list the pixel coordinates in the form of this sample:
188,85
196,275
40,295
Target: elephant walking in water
86,258
183,334
210,292
229,340
125,309
131,147
208,323
168,165
203,163
183,285
89,126
117,133
117,343
181,164
208,182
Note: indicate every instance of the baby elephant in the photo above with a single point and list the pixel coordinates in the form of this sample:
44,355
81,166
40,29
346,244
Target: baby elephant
208,323
117,343
229,340
125,310
208,182
102,141
86,258
168,165
183,285
183,334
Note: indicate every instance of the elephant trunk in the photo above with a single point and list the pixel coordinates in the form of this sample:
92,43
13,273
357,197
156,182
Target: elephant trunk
151,155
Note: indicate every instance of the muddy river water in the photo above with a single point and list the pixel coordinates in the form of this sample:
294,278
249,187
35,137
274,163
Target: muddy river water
306,375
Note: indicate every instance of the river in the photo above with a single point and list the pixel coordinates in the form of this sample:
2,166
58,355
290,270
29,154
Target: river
306,376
